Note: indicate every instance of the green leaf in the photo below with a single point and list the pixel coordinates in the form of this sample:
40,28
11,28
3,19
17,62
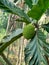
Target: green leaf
34,54
37,10
7,40
12,8
46,27
30,3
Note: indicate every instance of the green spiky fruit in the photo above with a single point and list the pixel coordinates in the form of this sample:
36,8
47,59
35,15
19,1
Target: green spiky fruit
28,31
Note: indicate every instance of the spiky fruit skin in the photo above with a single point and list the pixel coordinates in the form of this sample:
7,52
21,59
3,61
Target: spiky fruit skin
28,31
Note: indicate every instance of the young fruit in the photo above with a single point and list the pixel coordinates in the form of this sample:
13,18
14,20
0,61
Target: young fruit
28,31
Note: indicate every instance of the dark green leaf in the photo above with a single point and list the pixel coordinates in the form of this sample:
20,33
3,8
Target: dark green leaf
29,3
37,10
10,7
15,1
46,27
7,40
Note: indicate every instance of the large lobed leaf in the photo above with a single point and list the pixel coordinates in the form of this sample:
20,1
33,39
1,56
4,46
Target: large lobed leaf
12,8
7,40
37,10
36,50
